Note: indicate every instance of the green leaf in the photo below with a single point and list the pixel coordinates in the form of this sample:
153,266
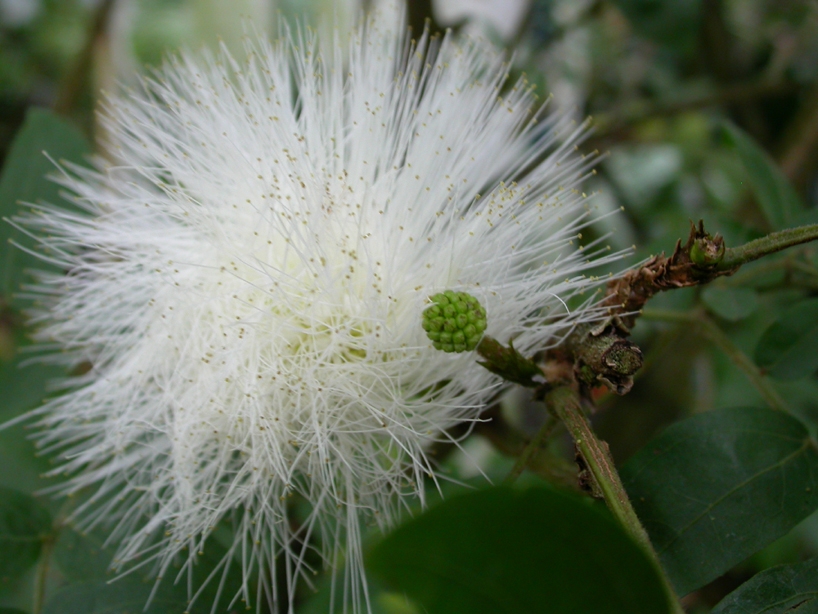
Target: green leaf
715,488
85,562
501,550
24,181
136,595
778,199
24,386
11,611
381,601
23,525
672,23
732,304
780,590
788,349
21,467
81,557
124,596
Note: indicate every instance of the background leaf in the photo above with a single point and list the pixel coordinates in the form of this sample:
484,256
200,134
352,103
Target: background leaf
24,386
779,590
715,488
23,180
82,556
777,198
23,525
732,304
668,22
788,349
124,596
534,551
85,562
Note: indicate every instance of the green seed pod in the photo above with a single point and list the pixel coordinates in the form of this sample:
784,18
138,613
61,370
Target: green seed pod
455,321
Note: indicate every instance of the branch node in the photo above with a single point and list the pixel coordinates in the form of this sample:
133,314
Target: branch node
603,355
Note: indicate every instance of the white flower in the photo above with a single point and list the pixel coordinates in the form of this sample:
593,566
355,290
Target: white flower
247,281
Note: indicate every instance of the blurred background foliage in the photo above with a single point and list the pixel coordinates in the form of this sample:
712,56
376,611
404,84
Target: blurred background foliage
702,108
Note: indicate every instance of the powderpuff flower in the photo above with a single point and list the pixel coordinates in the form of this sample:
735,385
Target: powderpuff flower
247,276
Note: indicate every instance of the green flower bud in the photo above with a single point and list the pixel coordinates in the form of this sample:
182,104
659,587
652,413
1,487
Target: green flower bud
455,321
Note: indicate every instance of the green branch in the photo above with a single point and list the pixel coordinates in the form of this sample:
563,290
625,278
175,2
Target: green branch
564,403
773,242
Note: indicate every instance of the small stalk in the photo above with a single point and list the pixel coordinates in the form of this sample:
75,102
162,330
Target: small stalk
533,446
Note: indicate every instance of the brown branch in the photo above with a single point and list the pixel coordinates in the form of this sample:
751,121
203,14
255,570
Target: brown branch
602,354
696,262
801,151
77,79
421,17
615,123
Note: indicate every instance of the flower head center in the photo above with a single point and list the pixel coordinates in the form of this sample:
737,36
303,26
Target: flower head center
455,321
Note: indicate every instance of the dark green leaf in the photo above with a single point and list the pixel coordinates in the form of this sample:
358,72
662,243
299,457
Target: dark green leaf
669,22
21,467
24,386
81,557
83,560
732,304
778,199
24,523
780,590
124,596
715,488
130,595
502,550
11,611
381,601
24,181
788,349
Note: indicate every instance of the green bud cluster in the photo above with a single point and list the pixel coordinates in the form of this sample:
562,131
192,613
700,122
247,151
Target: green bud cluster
455,321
